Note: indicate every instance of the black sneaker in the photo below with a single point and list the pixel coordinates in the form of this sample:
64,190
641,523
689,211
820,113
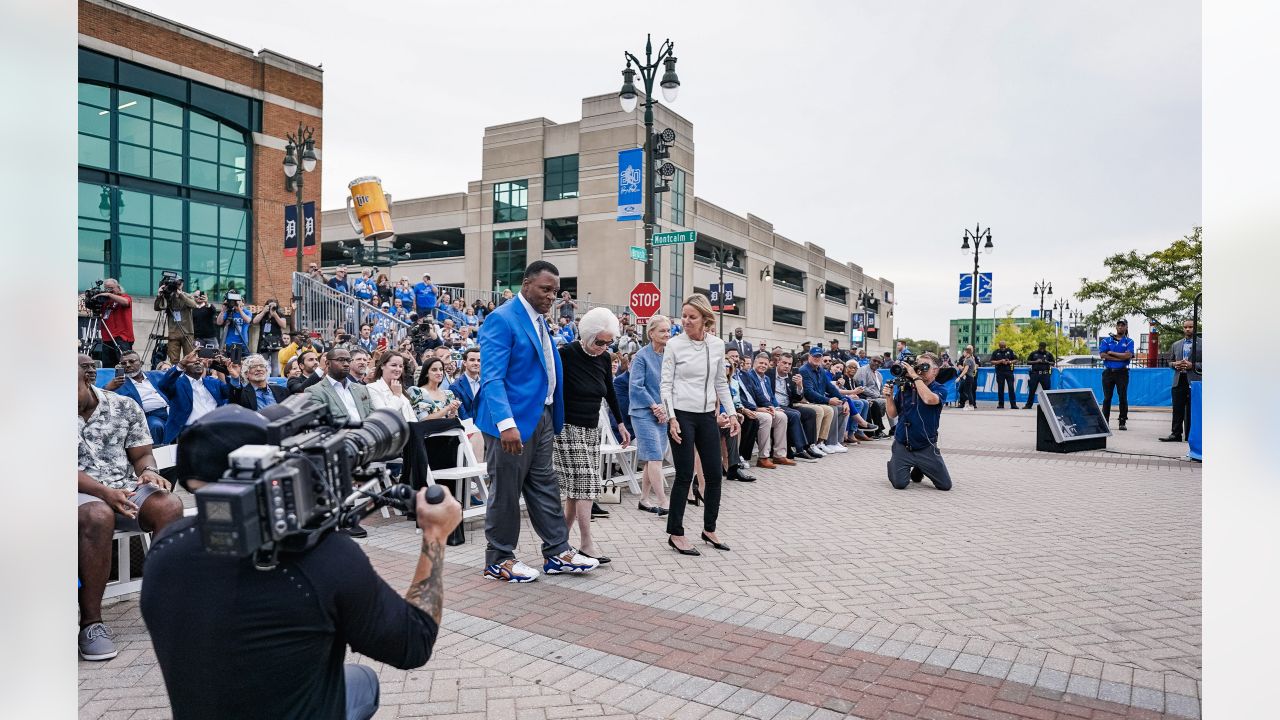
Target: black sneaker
355,531
1171,438
598,512
916,474
1122,427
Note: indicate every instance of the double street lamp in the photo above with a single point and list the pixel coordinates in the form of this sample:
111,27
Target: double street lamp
629,97
1042,288
868,302
977,236
299,153
1059,309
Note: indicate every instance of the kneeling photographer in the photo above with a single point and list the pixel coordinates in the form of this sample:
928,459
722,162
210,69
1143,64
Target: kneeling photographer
916,401
251,606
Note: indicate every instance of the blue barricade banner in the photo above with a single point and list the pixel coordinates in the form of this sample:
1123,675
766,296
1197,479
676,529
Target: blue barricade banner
1148,387
1194,439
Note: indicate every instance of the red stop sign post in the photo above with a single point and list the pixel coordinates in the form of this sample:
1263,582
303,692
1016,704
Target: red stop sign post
645,301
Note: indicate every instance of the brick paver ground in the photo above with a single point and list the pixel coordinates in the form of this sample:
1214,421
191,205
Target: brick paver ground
1042,586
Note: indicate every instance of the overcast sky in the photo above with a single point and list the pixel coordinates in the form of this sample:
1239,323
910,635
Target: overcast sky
879,131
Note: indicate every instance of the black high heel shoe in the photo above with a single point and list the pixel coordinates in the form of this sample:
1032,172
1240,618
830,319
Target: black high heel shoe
714,544
690,551
697,496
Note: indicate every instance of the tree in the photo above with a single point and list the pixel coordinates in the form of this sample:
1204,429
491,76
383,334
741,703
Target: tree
923,346
1160,286
1022,340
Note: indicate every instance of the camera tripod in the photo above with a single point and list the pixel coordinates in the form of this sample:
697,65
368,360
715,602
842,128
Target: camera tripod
158,339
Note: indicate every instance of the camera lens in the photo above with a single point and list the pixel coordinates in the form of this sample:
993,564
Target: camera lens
382,437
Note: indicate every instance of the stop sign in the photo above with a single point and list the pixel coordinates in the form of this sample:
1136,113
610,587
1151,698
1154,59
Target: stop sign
645,300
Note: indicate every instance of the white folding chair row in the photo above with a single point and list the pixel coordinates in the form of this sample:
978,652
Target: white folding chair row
613,453
166,457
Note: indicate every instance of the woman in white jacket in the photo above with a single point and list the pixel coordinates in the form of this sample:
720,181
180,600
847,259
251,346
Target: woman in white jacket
387,390
696,395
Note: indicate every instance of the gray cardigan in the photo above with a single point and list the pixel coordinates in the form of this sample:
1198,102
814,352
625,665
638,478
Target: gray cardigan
645,389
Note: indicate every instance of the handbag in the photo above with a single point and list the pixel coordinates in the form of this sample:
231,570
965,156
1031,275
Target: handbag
611,493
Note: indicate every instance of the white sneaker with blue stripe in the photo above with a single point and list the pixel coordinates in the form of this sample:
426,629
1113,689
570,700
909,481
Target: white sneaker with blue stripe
511,570
569,561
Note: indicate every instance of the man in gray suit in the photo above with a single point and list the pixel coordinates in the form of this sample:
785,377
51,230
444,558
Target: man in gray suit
1185,358
347,400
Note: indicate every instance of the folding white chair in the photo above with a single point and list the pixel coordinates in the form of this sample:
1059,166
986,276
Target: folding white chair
125,583
470,474
612,453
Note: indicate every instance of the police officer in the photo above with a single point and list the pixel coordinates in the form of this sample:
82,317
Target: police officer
918,408
1041,366
1003,360
1116,351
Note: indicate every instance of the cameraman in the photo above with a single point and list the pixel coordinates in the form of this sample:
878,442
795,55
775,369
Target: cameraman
117,323
234,641
270,334
919,404
176,306
237,320
205,322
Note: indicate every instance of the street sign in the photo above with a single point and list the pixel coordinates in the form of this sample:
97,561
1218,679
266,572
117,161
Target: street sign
638,253
966,288
630,184
729,305
674,238
645,300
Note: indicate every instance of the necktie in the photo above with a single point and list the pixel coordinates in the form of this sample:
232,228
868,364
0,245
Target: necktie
548,358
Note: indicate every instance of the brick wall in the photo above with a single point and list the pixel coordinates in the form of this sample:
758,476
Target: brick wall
133,29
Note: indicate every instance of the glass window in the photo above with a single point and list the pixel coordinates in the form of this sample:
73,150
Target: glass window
678,198
560,177
836,293
509,259
832,325
219,156
511,201
788,277
677,277
787,316
560,233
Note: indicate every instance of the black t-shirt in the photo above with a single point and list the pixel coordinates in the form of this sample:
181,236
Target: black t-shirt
237,642
587,381
204,321
1005,354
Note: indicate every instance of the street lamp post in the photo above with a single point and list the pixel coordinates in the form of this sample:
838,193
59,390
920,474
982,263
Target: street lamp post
721,256
628,96
866,300
1042,288
978,235
1059,306
299,154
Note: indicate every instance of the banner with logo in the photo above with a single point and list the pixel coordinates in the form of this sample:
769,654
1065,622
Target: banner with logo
631,184
291,229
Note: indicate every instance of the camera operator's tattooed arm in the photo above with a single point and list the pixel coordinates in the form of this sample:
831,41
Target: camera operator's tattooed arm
427,589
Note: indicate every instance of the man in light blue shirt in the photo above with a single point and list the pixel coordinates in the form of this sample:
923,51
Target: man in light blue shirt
1116,351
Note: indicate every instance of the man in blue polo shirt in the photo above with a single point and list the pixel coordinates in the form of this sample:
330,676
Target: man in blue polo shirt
918,408
1116,351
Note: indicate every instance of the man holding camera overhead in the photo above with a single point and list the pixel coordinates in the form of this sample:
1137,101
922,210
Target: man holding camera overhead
237,321
176,306
236,641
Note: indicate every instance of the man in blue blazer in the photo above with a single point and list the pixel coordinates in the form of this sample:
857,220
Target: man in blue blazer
144,389
467,387
761,383
520,409
191,394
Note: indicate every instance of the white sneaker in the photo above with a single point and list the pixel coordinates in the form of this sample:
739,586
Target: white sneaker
815,450
835,449
570,561
511,570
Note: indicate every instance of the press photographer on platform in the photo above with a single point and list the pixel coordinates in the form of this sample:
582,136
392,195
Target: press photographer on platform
251,608
916,402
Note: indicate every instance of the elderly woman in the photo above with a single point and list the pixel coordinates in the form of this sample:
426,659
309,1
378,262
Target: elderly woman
694,387
588,380
648,416
388,387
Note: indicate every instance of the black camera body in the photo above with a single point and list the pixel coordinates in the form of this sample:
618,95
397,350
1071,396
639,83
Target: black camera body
169,282
284,495
95,300
898,369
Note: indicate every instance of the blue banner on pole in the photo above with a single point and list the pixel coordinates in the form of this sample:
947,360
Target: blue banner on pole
966,288
631,184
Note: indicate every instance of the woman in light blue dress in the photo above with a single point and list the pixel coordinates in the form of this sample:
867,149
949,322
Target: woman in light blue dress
648,416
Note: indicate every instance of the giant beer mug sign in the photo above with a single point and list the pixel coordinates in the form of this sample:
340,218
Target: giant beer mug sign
369,209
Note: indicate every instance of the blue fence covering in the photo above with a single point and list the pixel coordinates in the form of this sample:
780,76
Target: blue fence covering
1194,438
1148,387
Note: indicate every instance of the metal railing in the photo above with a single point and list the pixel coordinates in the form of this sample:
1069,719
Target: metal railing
321,308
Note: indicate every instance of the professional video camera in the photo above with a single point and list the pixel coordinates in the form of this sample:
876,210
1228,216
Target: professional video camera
898,369
170,282
230,300
94,300
284,495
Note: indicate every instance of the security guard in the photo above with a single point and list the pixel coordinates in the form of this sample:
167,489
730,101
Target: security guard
1041,366
1003,360
1116,351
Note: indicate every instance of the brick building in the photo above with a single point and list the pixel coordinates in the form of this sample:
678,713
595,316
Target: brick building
181,140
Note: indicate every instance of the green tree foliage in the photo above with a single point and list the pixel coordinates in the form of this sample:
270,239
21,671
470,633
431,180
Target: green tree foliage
921,346
1159,286
1022,340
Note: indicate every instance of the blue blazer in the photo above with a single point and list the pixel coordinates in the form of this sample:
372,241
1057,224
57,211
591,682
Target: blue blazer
751,382
461,389
179,395
513,376
621,388
817,388
129,391
645,388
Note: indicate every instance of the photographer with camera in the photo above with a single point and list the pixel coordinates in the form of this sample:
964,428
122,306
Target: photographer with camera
270,334
237,320
176,306
239,638
204,320
916,401
117,322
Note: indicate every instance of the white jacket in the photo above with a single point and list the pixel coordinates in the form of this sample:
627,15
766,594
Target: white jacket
380,396
693,375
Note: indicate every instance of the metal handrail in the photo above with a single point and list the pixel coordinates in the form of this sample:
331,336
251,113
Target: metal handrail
320,307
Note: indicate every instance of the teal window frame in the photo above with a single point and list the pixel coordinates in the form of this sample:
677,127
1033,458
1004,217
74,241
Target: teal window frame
510,256
560,233
560,177
678,198
511,201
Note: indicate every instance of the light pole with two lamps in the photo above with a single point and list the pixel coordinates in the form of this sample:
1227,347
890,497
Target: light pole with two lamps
629,96
299,153
868,302
1059,307
977,236
1042,288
